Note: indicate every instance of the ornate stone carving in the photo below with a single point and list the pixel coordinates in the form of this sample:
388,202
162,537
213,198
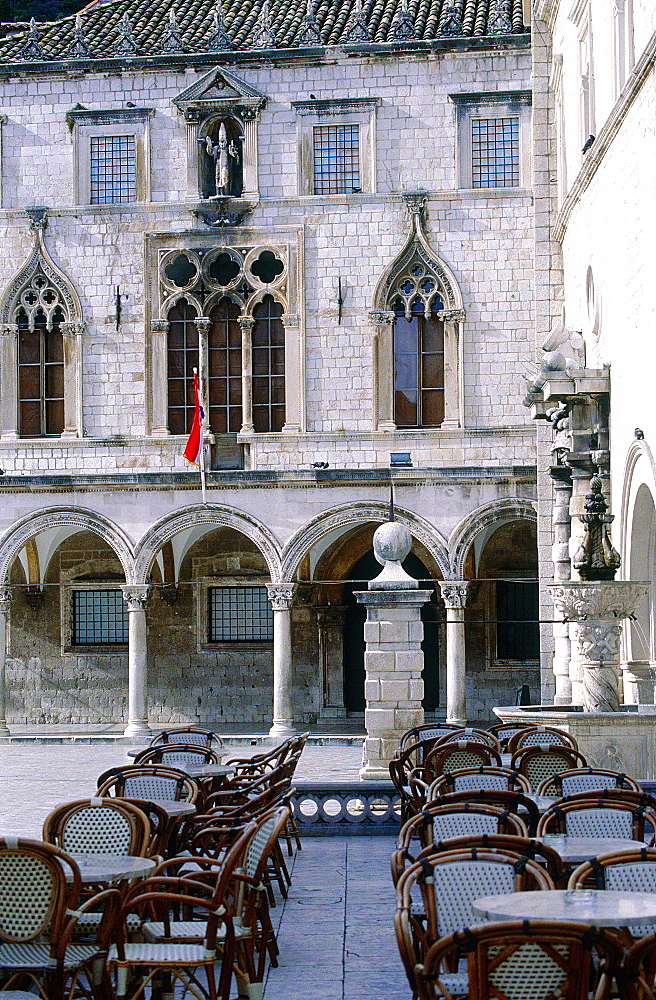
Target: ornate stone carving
310,30
222,219
577,600
358,29
454,593
79,48
281,595
499,21
32,49
136,598
5,601
404,26
451,20
219,40
125,44
596,559
378,317
415,201
263,37
452,315
172,40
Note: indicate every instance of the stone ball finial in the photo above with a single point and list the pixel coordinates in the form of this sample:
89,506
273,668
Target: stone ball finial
392,543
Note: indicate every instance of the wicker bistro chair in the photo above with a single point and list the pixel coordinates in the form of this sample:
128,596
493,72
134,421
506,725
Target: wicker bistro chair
479,778
513,802
407,763
39,912
626,871
434,899
188,734
544,760
98,826
174,754
430,731
504,731
537,735
531,960
474,735
454,756
635,979
612,816
586,779
439,822
263,762
150,782
254,936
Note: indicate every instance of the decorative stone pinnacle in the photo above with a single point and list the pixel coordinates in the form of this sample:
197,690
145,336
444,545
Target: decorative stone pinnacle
310,31
596,559
499,21
219,40
125,44
358,29
32,48
404,28
264,37
451,20
392,543
172,40
79,47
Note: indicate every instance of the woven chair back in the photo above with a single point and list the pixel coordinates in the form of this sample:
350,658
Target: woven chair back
537,735
537,763
586,779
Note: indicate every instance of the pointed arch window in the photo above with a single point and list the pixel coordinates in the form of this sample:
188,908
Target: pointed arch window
268,346
224,368
182,357
40,374
418,364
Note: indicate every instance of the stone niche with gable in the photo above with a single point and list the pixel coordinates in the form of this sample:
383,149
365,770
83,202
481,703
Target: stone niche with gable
220,99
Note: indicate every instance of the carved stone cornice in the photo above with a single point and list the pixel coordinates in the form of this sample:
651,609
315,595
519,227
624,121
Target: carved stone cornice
136,597
455,593
281,595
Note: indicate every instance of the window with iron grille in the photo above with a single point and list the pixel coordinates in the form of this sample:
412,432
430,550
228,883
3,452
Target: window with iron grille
336,159
495,152
113,169
100,618
239,614
518,634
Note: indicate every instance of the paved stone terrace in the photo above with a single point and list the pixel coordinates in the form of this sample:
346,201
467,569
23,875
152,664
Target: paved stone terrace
336,929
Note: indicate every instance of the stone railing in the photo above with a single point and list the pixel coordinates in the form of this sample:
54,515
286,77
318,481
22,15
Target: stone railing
342,808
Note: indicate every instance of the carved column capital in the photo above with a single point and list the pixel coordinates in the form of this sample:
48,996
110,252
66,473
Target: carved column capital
451,315
381,317
455,593
281,595
202,324
73,329
159,325
136,597
9,330
246,322
290,319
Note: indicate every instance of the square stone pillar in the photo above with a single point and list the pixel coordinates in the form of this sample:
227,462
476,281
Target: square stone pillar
393,662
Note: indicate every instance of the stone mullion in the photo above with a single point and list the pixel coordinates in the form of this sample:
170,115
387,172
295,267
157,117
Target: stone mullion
246,323
293,380
9,393
383,324
159,329
453,392
73,399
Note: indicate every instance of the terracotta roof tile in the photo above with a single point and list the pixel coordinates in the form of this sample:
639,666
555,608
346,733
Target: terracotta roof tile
149,20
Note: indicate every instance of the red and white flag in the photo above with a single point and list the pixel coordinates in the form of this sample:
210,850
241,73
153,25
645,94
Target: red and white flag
194,449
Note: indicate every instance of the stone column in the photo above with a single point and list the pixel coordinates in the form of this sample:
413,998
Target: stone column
72,342
159,329
246,324
561,521
293,379
330,621
136,598
281,596
454,595
9,394
383,361
5,606
250,118
192,120
453,320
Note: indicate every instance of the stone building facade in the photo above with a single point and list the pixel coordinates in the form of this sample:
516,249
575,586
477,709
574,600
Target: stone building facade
593,397
330,214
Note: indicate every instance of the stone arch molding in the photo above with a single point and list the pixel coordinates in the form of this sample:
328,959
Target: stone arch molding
42,280
214,517
639,468
513,508
349,515
417,272
22,531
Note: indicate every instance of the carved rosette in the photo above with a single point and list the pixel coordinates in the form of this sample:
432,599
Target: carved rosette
597,610
454,594
281,595
136,598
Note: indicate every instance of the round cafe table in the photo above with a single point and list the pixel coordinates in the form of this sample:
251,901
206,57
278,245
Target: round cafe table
109,868
599,907
574,850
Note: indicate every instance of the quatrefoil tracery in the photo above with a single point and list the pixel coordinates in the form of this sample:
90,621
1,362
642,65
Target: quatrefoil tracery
39,296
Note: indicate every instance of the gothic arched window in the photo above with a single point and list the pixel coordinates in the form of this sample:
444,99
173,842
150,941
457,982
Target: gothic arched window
40,374
268,343
224,368
182,357
418,364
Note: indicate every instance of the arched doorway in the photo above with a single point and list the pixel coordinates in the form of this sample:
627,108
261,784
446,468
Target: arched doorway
366,568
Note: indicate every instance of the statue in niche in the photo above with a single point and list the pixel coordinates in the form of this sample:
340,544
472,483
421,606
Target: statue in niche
227,176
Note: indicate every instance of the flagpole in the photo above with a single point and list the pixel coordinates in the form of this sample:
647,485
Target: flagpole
201,457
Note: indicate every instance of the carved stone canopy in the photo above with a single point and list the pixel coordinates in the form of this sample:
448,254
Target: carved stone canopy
219,91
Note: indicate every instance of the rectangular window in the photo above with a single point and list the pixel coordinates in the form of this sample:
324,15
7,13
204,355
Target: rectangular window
518,634
239,614
100,618
495,152
113,169
336,159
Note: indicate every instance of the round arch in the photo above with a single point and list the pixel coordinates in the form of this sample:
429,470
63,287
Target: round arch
510,508
300,544
79,519
639,470
214,516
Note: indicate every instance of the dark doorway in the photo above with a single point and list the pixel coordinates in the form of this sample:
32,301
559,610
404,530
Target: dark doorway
367,568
